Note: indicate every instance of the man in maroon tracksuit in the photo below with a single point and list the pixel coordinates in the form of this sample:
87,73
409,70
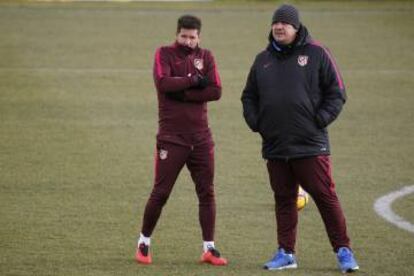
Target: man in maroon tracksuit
186,78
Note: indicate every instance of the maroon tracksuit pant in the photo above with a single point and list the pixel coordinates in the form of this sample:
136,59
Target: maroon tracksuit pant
314,175
196,151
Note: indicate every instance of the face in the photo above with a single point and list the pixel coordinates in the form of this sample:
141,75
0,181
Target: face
283,33
188,37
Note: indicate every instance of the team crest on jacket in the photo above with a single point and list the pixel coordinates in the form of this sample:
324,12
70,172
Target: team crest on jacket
163,154
198,63
303,60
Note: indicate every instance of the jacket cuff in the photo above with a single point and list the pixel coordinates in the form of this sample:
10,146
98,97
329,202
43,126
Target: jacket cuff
320,121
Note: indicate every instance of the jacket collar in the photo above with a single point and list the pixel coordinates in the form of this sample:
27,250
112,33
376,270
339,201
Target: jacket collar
184,50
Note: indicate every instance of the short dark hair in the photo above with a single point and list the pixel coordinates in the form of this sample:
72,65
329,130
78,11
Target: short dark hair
190,22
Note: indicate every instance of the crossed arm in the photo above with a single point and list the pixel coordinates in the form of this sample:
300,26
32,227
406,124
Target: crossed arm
192,88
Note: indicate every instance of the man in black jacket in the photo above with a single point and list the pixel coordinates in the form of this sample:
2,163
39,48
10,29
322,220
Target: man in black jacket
293,92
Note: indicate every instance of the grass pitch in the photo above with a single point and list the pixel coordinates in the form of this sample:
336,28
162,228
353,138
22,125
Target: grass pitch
78,119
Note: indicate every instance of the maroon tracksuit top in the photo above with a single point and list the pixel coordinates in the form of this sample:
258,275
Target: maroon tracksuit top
174,67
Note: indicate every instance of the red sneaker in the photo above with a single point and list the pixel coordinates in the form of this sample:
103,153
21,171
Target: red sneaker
212,256
142,255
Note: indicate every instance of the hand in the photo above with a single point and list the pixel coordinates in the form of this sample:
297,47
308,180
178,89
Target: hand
176,96
199,81
203,81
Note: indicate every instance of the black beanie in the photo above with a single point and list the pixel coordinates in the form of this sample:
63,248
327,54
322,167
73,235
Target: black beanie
287,14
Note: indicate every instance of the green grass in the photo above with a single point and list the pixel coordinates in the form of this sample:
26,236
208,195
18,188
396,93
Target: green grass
78,118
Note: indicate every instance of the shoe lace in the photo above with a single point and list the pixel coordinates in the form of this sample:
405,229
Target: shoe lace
279,255
143,249
282,255
345,256
214,252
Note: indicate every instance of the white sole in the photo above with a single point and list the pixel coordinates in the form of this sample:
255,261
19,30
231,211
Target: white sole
292,266
350,270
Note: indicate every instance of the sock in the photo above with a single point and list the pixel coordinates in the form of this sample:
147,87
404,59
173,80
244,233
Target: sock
143,239
207,245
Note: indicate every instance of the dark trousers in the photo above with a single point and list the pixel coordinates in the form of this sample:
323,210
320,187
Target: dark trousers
314,175
196,151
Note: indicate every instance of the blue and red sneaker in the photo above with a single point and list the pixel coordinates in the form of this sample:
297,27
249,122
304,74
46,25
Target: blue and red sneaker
281,260
346,260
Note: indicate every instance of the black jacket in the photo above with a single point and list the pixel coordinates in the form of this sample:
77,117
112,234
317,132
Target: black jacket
291,96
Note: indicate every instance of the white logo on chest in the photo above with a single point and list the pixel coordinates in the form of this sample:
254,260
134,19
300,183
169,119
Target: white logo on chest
198,63
303,60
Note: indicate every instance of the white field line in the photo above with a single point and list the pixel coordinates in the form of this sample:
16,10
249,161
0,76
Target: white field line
142,70
383,208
